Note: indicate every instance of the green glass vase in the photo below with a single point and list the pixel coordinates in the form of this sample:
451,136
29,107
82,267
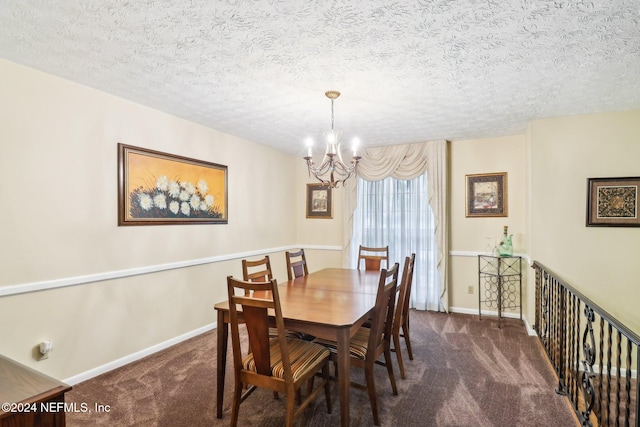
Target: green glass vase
505,248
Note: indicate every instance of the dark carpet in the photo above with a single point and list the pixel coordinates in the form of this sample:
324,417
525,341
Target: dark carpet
465,372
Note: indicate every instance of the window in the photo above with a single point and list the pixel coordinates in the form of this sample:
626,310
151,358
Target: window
397,213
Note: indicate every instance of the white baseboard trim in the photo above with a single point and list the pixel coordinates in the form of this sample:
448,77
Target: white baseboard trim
117,274
136,356
614,371
461,310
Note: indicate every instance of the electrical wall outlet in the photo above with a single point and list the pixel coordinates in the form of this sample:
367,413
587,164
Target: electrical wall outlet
470,290
45,347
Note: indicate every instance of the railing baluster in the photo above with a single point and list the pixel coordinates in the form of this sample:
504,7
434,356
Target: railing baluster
552,322
544,302
536,321
562,314
572,334
575,357
609,346
599,407
627,385
636,413
588,344
576,367
556,331
618,364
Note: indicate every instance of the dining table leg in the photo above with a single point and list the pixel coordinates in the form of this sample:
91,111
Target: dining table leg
221,360
344,378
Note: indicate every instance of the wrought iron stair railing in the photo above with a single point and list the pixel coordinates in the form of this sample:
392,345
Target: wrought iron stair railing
596,358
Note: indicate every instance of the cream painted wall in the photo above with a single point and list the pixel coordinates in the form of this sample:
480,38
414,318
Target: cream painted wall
469,235
600,262
59,172
58,176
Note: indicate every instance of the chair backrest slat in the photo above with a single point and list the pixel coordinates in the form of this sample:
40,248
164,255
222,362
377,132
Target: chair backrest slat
256,319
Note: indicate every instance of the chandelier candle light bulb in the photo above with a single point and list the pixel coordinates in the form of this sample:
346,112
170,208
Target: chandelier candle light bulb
332,171
355,144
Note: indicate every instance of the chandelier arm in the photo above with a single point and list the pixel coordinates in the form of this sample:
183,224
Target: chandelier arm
347,169
318,174
324,168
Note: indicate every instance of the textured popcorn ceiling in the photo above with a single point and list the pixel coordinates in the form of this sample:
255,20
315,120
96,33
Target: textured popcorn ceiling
408,71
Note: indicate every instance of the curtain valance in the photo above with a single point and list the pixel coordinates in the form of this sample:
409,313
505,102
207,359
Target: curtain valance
398,161
406,162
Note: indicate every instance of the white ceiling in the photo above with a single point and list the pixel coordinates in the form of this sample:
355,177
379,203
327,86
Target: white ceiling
408,71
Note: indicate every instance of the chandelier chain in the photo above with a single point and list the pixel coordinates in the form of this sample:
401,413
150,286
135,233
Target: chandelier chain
332,115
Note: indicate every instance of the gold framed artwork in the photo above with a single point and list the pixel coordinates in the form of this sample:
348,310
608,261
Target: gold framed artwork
319,203
612,202
156,188
486,195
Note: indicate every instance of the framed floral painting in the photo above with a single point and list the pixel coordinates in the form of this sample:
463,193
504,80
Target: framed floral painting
156,188
613,202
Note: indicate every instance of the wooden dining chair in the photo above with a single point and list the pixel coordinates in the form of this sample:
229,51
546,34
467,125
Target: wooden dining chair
261,270
401,312
373,257
296,264
369,343
280,364
297,267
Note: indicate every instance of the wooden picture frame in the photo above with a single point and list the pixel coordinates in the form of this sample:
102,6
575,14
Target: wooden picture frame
613,202
319,204
156,188
486,195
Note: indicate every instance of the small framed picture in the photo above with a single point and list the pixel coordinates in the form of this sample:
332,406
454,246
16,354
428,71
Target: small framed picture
612,202
319,201
486,195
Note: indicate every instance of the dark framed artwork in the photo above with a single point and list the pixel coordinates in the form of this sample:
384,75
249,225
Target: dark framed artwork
486,195
319,201
613,202
156,188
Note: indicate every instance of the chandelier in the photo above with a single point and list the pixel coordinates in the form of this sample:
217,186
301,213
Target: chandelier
332,171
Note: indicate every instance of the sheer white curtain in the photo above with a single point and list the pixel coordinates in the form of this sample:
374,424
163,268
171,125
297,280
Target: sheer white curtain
397,213
407,162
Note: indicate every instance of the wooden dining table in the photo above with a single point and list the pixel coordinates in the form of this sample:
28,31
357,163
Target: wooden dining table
331,303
